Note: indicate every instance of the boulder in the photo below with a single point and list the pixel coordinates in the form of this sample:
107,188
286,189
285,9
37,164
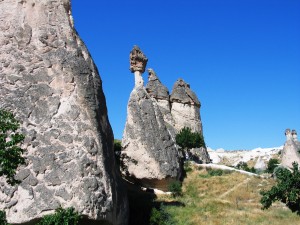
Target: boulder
50,82
149,155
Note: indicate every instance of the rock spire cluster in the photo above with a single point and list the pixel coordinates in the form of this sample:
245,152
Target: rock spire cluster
151,157
291,149
50,82
149,153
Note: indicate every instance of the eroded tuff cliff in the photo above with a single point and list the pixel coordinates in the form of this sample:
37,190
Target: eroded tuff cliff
50,82
149,153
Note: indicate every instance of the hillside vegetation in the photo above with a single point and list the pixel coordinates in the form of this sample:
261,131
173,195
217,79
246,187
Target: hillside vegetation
228,198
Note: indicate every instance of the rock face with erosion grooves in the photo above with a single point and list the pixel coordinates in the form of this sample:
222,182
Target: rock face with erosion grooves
149,154
291,149
50,82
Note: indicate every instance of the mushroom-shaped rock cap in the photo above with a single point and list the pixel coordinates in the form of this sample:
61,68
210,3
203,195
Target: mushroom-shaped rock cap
155,88
182,93
138,60
287,131
294,132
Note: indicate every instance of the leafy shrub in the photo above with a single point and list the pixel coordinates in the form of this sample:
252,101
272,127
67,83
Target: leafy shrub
244,166
272,164
10,152
216,172
187,139
61,217
3,220
187,166
161,217
175,188
286,190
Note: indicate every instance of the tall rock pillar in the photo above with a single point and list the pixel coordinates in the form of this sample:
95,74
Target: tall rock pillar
185,110
185,107
50,82
149,154
291,149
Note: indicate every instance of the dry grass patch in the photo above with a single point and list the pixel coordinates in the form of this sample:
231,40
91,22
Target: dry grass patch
228,199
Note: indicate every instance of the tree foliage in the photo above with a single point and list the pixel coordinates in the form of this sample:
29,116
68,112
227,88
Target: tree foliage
61,217
10,151
3,220
187,139
160,216
287,189
272,164
176,188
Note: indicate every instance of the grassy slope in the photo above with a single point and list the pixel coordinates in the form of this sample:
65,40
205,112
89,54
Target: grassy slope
227,199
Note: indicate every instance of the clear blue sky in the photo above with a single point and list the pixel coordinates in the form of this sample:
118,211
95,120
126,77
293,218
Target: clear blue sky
242,59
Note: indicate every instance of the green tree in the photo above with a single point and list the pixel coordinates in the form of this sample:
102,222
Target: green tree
3,220
61,217
272,164
287,189
187,139
10,151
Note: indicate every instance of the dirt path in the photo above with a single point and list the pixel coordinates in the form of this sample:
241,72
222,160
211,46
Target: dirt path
235,187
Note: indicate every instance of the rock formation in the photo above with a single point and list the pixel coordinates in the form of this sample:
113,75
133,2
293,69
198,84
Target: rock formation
160,94
185,107
49,81
149,154
260,164
181,109
291,149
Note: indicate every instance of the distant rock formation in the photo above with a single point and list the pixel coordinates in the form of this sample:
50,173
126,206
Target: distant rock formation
50,82
291,149
149,153
260,164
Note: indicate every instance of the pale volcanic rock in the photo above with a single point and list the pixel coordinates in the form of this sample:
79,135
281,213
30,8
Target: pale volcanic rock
185,107
291,149
160,94
50,82
150,156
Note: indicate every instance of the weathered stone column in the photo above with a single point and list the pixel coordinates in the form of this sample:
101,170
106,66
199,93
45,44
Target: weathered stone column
291,148
138,62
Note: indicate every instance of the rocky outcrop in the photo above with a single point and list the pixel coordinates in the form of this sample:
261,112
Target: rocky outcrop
185,107
49,81
149,154
291,149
